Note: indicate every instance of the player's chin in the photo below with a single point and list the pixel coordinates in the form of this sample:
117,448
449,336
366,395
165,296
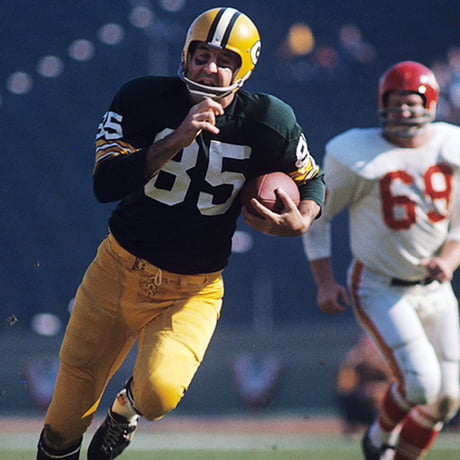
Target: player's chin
211,84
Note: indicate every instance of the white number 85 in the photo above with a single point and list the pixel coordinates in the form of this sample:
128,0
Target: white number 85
215,176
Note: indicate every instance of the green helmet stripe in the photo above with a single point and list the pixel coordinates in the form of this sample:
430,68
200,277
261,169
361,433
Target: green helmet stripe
222,26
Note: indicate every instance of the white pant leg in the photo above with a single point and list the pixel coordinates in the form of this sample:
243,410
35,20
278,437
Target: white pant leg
392,316
439,312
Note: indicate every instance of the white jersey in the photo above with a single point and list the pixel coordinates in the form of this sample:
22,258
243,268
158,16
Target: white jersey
403,203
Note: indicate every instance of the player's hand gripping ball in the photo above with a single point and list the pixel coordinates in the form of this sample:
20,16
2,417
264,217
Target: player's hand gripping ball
263,188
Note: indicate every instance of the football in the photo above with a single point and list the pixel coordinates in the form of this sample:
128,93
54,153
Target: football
264,189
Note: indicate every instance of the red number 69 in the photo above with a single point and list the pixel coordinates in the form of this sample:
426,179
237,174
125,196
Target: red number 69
430,177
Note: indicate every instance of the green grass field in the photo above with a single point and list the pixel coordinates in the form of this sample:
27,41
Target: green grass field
217,446
305,454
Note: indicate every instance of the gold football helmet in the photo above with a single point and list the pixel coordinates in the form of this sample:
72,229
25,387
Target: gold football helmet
223,28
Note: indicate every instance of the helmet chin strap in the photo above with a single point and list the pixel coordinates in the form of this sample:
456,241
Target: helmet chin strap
199,91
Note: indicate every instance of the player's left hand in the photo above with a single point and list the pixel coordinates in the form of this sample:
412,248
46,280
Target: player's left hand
290,222
437,269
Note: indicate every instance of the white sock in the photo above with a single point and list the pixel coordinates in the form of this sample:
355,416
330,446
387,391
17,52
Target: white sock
377,435
394,436
122,406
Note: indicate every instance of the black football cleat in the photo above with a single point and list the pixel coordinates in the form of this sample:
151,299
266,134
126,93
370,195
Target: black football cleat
112,437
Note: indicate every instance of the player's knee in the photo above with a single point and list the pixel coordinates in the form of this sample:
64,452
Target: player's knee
444,409
423,387
158,398
421,372
448,407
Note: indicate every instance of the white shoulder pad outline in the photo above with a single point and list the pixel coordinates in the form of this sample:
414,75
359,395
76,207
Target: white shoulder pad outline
451,146
358,149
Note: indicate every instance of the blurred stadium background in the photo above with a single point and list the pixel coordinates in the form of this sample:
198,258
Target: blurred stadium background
63,60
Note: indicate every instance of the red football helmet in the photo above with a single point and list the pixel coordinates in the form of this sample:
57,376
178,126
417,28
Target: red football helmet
413,77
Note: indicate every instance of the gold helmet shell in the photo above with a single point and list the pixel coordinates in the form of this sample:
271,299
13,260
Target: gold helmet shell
223,28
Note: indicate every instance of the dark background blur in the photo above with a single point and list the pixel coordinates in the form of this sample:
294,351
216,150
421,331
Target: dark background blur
61,63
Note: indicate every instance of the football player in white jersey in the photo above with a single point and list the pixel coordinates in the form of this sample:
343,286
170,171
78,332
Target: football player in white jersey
400,184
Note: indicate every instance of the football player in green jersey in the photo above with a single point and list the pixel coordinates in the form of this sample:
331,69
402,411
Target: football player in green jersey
173,152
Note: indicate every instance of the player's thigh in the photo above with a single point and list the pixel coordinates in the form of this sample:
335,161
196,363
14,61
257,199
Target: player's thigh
96,337
386,313
441,321
442,326
95,343
172,346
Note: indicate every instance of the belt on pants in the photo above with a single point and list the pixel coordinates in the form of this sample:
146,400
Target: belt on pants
138,264
400,282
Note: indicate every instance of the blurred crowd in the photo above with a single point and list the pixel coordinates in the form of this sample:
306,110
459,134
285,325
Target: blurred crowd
306,58
447,72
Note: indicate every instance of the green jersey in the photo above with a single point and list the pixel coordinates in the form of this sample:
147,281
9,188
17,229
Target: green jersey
182,219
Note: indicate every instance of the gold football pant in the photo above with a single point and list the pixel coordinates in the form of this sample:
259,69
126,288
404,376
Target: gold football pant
123,298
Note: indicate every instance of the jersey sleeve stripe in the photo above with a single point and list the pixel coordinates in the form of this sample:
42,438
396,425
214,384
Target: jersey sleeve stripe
106,149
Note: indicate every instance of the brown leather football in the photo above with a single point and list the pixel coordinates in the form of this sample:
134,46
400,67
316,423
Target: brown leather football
264,189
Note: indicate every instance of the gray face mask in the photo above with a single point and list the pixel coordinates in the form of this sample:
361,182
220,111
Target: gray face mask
199,91
408,127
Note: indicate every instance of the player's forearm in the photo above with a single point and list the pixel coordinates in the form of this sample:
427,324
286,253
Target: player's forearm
161,152
322,270
314,189
450,253
309,210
